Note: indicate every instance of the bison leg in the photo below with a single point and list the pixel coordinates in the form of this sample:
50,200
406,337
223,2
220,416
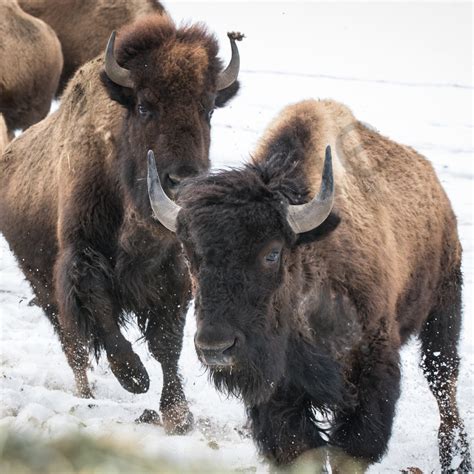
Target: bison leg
284,427
164,333
77,354
363,431
88,318
440,364
72,341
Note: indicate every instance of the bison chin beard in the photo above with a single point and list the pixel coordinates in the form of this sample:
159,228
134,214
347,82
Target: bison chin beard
256,375
284,361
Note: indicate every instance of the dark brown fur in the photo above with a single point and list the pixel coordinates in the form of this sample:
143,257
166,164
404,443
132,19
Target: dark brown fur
75,210
322,327
30,65
83,27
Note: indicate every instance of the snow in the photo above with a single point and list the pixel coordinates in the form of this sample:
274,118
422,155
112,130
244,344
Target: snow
404,69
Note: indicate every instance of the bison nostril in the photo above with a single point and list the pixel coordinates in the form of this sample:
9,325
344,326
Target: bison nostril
216,353
228,350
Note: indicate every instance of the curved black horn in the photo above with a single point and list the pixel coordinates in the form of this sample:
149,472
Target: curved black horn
229,75
164,209
116,73
306,217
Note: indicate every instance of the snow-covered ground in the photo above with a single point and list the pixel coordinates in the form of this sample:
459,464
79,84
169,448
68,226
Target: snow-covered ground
406,70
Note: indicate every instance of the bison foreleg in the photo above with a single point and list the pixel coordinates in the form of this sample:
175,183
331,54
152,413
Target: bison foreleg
77,355
364,429
284,427
88,319
164,334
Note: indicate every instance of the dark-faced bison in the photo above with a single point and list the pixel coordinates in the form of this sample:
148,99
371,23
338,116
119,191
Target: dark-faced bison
30,66
302,307
84,26
74,204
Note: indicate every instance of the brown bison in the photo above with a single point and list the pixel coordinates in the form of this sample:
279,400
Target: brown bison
302,307
30,65
83,27
74,204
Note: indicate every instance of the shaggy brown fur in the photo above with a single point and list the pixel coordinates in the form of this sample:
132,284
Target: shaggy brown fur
289,310
30,65
83,27
3,134
75,210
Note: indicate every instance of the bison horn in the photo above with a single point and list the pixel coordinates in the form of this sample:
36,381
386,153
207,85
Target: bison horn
306,217
229,75
116,73
164,209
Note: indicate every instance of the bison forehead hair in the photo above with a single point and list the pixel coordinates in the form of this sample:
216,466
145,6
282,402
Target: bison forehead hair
280,178
186,56
232,209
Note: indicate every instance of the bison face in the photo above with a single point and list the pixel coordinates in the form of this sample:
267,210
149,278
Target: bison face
240,236
240,271
170,81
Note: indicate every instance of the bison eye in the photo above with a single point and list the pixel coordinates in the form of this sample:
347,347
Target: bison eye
143,111
273,256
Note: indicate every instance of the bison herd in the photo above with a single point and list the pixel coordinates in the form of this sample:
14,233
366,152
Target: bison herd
310,266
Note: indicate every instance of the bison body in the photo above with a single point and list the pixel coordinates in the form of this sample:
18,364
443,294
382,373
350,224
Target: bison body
30,66
74,206
302,308
83,27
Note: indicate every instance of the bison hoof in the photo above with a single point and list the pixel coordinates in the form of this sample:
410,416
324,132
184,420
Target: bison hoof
149,416
455,454
178,420
130,372
86,392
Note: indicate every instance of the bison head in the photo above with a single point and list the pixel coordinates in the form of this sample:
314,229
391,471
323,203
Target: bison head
240,235
170,81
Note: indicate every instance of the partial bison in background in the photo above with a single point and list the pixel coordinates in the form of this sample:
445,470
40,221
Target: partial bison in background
3,134
84,26
30,66
302,307
74,205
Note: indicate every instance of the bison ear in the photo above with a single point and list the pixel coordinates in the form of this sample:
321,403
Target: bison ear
123,95
320,232
224,95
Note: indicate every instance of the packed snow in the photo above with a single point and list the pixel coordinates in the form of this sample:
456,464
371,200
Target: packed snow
405,69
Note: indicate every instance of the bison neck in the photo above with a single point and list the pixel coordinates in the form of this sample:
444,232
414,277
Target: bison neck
324,316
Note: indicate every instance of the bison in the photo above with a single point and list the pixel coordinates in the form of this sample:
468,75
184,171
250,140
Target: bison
74,204
305,292
83,27
30,66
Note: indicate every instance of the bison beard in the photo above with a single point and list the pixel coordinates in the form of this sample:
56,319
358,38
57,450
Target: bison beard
286,424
